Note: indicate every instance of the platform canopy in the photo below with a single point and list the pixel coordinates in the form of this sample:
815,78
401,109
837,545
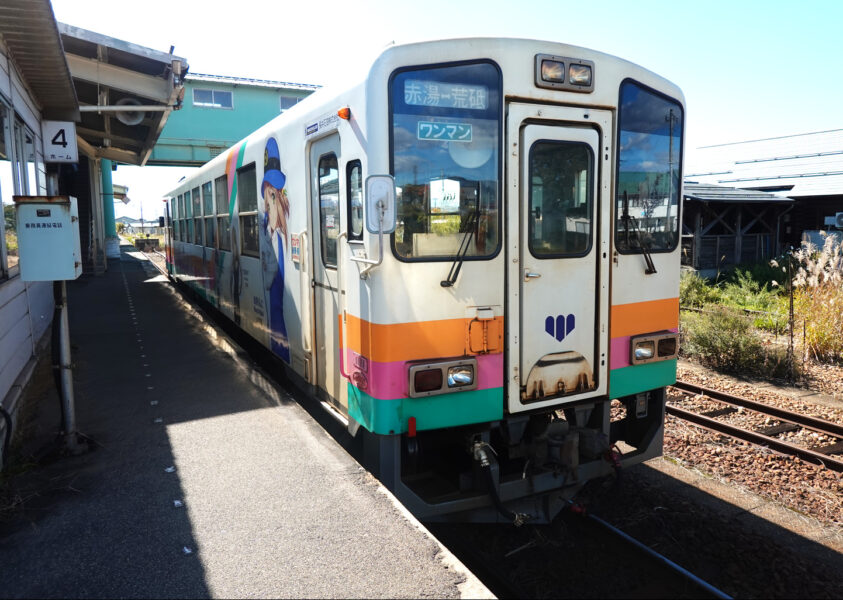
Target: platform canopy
126,93
29,30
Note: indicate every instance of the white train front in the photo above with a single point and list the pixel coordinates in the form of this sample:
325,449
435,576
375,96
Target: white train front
469,255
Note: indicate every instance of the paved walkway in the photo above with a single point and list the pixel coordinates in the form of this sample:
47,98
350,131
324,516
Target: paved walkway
199,485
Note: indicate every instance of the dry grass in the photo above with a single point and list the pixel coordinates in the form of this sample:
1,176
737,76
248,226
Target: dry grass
818,298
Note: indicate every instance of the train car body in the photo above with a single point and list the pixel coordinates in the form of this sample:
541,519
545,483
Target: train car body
531,278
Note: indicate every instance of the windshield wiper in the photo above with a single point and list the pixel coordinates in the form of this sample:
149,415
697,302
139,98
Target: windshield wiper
635,229
465,243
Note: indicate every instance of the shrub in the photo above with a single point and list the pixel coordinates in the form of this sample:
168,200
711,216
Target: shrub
724,339
694,291
748,293
12,242
762,273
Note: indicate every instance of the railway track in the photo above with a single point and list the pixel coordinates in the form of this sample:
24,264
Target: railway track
791,421
569,559
527,564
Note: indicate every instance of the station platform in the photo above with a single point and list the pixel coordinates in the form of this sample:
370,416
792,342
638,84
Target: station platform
198,483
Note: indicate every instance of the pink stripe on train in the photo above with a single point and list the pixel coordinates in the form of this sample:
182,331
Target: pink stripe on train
619,351
390,380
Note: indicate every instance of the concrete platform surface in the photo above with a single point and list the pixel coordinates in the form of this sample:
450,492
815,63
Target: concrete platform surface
199,484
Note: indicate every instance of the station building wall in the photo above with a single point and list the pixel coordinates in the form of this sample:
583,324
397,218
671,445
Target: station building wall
26,308
216,113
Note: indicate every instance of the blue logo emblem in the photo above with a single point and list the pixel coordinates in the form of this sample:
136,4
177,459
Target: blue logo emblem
559,326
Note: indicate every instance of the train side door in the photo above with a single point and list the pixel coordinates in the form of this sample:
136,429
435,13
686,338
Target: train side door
561,273
326,192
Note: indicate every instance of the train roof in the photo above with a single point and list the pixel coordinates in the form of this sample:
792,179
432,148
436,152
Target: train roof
443,51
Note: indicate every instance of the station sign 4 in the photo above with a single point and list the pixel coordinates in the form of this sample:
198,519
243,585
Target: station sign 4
59,141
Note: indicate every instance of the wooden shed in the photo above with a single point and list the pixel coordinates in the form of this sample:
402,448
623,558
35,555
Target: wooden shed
723,226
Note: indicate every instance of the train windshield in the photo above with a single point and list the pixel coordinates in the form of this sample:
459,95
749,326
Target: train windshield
647,204
445,158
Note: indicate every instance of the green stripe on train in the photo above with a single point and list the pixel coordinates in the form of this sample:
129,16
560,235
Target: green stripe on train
640,378
446,410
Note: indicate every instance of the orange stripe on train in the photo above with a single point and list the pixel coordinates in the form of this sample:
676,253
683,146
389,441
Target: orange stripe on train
423,339
644,317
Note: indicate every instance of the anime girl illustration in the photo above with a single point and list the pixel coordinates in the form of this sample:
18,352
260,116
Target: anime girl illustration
276,210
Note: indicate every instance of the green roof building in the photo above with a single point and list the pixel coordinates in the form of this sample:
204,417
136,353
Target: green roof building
219,111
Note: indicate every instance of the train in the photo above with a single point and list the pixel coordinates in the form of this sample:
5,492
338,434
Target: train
470,255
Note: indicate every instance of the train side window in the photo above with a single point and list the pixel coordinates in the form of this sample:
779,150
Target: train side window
188,217
176,217
329,221
210,218
247,193
197,217
223,218
354,205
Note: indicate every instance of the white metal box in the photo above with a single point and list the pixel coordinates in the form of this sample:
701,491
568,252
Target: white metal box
48,238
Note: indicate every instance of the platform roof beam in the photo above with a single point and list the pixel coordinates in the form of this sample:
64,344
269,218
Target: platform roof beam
29,30
113,78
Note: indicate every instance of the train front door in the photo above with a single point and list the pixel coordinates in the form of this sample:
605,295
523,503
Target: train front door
325,193
559,242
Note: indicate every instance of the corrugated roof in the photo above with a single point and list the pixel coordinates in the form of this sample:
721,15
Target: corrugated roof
248,81
28,28
809,164
107,71
717,193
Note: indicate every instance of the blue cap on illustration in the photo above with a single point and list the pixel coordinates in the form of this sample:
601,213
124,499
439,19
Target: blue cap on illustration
272,174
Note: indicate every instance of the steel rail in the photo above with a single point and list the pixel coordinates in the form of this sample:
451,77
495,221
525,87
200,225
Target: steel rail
757,438
818,425
676,568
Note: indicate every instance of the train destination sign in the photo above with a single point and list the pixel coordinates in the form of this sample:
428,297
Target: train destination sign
444,132
445,95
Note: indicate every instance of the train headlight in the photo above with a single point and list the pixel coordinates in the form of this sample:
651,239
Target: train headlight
553,71
653,347
644,350
579,75
442,377
460,376
564,73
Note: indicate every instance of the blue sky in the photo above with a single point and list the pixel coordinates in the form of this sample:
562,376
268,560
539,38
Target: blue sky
748,69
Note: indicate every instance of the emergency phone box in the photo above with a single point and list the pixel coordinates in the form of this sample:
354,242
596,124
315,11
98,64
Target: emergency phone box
48,238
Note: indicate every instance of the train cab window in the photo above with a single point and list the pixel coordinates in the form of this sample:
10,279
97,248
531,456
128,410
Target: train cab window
223,218
648,171
329,211
445,142
210,214
247,195
560,218
197,217
354,206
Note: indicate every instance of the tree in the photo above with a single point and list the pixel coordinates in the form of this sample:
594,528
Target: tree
9,216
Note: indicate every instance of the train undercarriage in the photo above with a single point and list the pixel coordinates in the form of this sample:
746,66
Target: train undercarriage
525,468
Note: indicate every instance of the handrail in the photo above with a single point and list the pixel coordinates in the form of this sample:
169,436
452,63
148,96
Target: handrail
370,263
340,309
305,331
